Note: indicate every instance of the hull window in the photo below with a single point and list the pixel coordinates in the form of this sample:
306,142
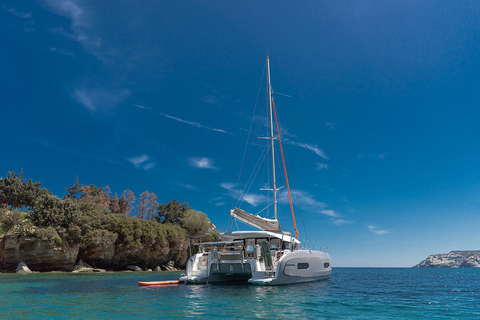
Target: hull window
326,265
302,266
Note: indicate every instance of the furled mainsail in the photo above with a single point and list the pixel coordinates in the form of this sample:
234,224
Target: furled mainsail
256,221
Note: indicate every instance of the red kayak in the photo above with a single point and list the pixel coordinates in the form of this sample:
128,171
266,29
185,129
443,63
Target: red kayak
158,283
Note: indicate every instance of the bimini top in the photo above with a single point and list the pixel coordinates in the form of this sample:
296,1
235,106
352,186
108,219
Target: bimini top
218,243
256,221
234,235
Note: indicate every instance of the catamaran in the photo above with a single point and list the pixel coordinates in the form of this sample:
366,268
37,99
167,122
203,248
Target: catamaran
268,255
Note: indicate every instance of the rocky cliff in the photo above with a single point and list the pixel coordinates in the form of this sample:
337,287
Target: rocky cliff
49,254
453,259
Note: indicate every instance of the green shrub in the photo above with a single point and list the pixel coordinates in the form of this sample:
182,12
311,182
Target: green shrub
58,241
48,232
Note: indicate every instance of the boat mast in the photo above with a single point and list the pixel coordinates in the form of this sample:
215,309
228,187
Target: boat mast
272,137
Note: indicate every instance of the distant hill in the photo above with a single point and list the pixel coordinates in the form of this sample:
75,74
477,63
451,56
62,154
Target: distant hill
453,259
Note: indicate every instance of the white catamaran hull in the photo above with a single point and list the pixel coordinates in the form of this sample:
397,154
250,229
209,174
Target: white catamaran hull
295,267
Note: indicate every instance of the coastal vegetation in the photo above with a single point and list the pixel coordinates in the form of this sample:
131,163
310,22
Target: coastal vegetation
90,217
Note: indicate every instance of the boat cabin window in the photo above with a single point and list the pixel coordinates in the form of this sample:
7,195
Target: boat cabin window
287,246
326,265
303,266
275,244
250,247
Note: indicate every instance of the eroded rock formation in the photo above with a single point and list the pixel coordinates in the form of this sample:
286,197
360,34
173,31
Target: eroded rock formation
48,254
453,259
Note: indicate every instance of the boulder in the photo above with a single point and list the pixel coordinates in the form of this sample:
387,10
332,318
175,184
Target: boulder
133,268
23,268
82,266
169,266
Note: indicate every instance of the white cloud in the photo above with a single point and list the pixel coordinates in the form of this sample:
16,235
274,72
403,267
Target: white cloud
142,162
228,185
341,222
99,100
194,124
137,161
142,107
304,199
329,213
202,163
310,147
148,166
186,186
81,23
254,199
375,230
321,166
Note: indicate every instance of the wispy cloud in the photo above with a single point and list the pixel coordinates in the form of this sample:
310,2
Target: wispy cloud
383,155
321,166
331,125
305,199
142,161
99,100
81,24
228,185
329,213
15,12
210,99
190,123
310,147
186,186
142,107
253,199
341,222
202,163
218,201
194,124
375,230
370,155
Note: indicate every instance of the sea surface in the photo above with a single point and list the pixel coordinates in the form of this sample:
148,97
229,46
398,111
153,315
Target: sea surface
352,293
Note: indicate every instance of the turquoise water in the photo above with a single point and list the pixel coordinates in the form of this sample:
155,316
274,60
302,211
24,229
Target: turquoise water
352,293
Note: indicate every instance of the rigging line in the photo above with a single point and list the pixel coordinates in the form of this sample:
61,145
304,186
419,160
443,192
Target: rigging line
254,174
285,169
241,191
298,201
249,131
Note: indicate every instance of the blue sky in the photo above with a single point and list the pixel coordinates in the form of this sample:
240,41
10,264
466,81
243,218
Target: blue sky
379,103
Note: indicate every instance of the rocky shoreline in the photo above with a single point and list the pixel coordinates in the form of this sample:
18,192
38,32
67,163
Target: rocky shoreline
47,254
453,259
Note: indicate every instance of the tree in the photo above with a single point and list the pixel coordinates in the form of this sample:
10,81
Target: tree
126,202
52,211
195,222
147,205
17,192
73,190
172,212
99,196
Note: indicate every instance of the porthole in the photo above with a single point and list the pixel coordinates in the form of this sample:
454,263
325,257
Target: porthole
302,266
326,265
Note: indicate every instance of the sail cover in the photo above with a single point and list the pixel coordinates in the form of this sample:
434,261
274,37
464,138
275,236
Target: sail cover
256,221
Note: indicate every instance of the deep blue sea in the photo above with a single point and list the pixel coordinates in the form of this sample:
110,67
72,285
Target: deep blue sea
352,293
